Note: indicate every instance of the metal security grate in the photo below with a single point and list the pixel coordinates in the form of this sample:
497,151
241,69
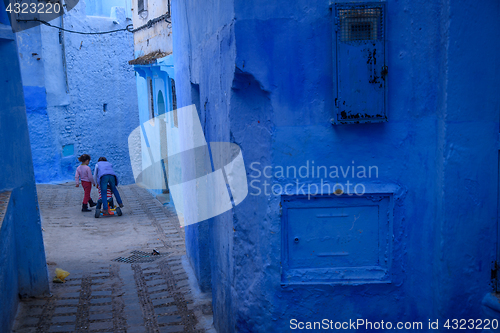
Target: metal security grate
139,257
360,23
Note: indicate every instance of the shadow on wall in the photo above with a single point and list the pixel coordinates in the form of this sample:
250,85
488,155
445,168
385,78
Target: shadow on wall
23,270
46,156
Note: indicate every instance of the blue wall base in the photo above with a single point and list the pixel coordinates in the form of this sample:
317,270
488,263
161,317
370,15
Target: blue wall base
490,307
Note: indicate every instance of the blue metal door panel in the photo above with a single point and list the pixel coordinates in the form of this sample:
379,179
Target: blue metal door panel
337,239
333,237
360,83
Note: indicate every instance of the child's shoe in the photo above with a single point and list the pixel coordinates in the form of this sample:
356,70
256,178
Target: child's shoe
121,205
85,208
92,203
106,212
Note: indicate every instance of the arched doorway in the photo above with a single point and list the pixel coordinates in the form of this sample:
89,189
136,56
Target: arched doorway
161,103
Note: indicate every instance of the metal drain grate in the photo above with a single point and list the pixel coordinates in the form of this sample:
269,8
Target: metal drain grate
139,257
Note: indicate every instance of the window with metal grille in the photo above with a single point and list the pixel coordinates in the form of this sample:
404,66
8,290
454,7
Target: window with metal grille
360,31
142,5
360,23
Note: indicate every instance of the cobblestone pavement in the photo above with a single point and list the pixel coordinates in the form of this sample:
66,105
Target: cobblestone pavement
103,293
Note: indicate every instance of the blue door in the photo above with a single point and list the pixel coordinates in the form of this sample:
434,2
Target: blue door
360,63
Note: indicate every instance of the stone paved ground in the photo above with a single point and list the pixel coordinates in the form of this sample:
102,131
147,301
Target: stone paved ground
105,295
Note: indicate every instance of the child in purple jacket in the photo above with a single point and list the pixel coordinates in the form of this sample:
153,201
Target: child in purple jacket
104,175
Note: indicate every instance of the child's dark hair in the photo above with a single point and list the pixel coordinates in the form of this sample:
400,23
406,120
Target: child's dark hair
102,159
84,157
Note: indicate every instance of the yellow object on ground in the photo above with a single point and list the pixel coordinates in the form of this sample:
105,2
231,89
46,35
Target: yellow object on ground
61,274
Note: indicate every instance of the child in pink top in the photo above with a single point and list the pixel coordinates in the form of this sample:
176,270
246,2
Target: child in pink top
84,173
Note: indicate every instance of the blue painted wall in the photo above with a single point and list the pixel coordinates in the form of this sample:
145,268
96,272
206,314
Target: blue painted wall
23,270
103,7
203,76
265,75
9,285
46,150
67,82
467,220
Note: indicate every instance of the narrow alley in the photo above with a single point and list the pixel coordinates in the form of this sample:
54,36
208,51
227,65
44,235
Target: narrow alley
308,165
114,284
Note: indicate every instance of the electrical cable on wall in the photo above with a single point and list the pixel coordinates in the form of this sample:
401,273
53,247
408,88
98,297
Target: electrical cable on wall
152,22
128,28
